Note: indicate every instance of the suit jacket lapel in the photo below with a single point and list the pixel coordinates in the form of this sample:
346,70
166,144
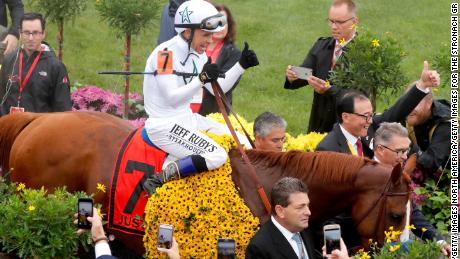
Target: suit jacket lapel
341,140
280,241
308,241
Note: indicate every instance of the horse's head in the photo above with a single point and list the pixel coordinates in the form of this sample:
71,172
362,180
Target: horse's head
383,202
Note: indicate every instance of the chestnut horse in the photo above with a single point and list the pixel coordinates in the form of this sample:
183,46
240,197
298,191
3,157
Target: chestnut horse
78,150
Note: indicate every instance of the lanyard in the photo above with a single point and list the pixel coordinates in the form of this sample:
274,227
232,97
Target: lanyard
23,83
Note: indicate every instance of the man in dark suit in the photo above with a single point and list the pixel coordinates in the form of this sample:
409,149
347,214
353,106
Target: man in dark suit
353,134
391,147
321,59
285,235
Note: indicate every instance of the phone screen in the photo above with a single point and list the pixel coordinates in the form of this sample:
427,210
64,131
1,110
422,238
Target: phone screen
302,72
332,239
165,233
85,210
225,248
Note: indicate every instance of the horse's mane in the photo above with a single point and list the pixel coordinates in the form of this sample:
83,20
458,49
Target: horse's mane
322,167
10,127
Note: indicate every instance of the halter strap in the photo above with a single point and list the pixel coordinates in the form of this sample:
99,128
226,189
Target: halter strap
383,196
252,170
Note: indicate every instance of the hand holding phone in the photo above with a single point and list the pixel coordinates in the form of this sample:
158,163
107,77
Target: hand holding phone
331,238
85,210
302,72
165,236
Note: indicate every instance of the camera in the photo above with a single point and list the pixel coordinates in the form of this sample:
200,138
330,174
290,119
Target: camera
165,234
331,238
85,210
226,248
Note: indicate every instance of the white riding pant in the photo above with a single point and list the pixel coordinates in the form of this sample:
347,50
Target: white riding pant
180,136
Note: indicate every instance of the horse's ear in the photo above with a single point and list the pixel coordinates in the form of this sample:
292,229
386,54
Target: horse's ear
410,164
396,174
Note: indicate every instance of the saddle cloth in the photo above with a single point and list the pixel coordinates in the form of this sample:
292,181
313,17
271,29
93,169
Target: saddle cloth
136,160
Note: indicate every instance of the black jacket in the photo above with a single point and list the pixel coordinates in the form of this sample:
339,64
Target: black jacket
16,9
336,141
48,89
269,243
322,115
435,151
228,56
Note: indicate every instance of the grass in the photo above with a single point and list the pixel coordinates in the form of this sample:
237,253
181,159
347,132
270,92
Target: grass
280,31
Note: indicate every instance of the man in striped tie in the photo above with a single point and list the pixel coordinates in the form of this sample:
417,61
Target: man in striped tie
321,58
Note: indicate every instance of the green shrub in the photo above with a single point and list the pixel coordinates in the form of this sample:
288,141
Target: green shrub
37,224
371,64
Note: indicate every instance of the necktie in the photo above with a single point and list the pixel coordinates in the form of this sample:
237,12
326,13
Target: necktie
337,53
359,145
298,241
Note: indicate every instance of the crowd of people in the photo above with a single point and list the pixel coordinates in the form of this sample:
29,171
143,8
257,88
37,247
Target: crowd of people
196,48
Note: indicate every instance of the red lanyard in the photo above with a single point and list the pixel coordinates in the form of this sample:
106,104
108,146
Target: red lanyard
23,83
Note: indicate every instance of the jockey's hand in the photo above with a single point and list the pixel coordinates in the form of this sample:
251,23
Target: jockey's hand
248,57
428,78
209,73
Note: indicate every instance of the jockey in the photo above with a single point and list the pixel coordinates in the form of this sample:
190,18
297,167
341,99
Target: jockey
180,69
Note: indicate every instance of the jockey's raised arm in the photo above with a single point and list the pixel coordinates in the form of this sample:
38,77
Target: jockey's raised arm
181,68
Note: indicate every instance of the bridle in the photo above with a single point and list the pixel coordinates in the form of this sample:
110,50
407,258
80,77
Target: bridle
383,198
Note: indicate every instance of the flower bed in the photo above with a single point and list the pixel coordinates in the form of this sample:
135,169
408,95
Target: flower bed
202,208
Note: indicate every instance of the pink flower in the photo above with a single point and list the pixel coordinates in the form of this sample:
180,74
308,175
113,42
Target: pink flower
93,98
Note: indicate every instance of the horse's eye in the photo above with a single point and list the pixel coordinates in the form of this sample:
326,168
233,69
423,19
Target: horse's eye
395,216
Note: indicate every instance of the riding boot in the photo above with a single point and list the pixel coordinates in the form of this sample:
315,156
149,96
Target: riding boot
174,170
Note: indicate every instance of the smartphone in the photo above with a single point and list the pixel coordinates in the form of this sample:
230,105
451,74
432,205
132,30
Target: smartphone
226,248
302,72
85,210
165,235
331,237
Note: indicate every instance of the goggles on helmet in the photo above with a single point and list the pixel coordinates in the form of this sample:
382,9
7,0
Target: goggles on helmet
209,23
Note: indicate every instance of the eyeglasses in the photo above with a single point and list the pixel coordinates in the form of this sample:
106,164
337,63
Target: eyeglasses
34,34
337,22
367,117
399,152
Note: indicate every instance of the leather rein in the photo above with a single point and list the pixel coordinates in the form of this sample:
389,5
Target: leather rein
219,95
383,198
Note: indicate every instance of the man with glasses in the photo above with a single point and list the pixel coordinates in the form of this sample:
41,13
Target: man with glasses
391,146
321,59
269,132
178,70
354,132
33,79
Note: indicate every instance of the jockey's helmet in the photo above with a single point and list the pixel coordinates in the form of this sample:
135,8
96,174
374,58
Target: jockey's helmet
199,14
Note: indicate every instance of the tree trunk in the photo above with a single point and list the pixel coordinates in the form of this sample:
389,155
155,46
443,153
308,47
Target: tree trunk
61,38
374,98
127,69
